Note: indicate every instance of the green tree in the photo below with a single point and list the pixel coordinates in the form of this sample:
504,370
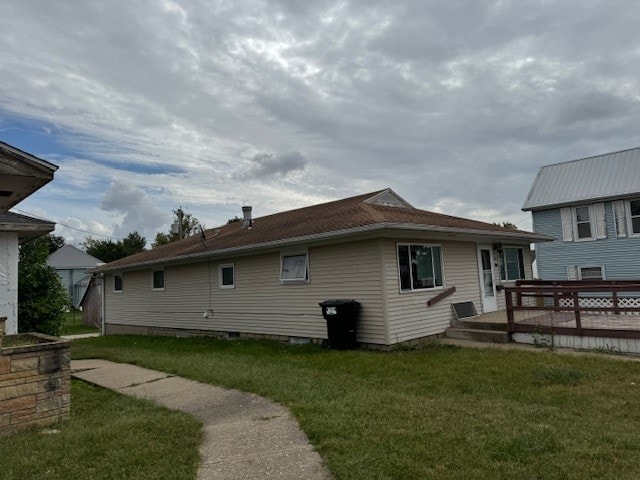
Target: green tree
507,224
189,225
42,300
133,243
108,250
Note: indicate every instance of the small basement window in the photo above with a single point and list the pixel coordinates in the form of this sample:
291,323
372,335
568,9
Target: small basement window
157,280
294,268
226,276
117,284
591,273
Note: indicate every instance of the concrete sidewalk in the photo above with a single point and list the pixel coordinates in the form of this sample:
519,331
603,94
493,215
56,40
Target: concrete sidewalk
245,436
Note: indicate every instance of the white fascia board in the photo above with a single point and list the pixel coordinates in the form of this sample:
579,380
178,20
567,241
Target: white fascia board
376,229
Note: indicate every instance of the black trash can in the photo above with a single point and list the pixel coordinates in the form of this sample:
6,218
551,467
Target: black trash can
342,318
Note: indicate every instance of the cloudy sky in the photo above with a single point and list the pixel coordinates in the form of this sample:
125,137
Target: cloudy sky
149,105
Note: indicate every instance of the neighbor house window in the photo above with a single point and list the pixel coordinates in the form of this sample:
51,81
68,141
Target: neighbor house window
591,273
294,268
512,266
582,218
226,276
157,280
117,283
634,209
420,266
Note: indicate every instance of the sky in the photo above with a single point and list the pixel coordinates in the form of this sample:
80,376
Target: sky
210,105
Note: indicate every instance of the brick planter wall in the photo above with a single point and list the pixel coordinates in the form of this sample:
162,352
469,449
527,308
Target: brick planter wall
34,382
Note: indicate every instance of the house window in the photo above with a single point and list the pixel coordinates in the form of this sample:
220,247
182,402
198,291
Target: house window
634,208
420,266
157,280
294,268
512,265
582,217
226,276
591,273
117,284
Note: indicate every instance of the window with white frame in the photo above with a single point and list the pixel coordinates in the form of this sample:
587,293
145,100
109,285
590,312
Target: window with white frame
512,265
591,273
118,283
420,266
157,280
226,276
294,267
582,219
634,211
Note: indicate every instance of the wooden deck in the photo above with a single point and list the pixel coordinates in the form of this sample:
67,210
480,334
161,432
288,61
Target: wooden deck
560,319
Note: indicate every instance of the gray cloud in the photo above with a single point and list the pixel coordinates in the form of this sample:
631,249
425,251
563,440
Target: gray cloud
423,96
265,165
137,209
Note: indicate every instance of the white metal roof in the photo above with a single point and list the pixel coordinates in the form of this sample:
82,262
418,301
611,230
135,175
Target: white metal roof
70,257
610,175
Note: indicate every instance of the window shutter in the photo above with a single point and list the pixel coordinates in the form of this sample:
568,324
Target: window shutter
571,272
621,218
601,226
567,224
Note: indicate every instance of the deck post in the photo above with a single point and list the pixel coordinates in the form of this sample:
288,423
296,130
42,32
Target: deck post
614,298
509,304
576,306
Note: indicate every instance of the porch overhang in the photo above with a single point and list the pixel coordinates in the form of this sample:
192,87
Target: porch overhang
21,174
27,228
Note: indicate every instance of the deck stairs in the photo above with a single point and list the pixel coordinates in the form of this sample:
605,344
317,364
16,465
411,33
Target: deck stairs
473,328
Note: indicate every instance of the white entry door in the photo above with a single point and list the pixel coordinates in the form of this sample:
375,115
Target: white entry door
487,285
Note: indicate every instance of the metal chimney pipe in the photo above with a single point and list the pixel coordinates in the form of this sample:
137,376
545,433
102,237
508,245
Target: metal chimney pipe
247,220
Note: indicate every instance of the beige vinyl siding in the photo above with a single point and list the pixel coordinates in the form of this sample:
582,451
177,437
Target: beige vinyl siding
259,303
408,313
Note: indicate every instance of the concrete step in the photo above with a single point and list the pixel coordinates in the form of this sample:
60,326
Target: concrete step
475,325
477,335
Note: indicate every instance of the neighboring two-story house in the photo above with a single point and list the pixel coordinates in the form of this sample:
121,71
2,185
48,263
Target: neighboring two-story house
591,207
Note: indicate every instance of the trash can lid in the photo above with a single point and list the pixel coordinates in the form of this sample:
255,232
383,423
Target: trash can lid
337,303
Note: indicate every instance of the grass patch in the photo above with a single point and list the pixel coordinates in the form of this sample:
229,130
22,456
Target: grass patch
72,324
109,436
441,413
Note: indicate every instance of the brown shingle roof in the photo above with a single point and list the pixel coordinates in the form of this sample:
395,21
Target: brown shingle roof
340,217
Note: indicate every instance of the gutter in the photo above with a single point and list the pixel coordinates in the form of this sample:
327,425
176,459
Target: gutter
377,227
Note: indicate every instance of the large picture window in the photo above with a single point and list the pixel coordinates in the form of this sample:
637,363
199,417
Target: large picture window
420,266
512,266
294,268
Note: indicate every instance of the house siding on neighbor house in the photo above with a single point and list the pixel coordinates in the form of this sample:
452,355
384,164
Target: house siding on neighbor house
9,281
561,259
259,303
591,207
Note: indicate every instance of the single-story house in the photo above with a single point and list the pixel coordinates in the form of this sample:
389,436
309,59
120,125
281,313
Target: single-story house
265,277
72,266
21,174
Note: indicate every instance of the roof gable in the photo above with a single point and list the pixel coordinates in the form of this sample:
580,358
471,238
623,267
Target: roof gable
341,218
605,176
71,257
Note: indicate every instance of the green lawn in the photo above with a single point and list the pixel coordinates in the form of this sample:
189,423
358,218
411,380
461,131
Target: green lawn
108,437
441,412
73,325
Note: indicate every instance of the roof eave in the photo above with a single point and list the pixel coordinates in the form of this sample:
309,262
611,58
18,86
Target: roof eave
374,228
617,196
